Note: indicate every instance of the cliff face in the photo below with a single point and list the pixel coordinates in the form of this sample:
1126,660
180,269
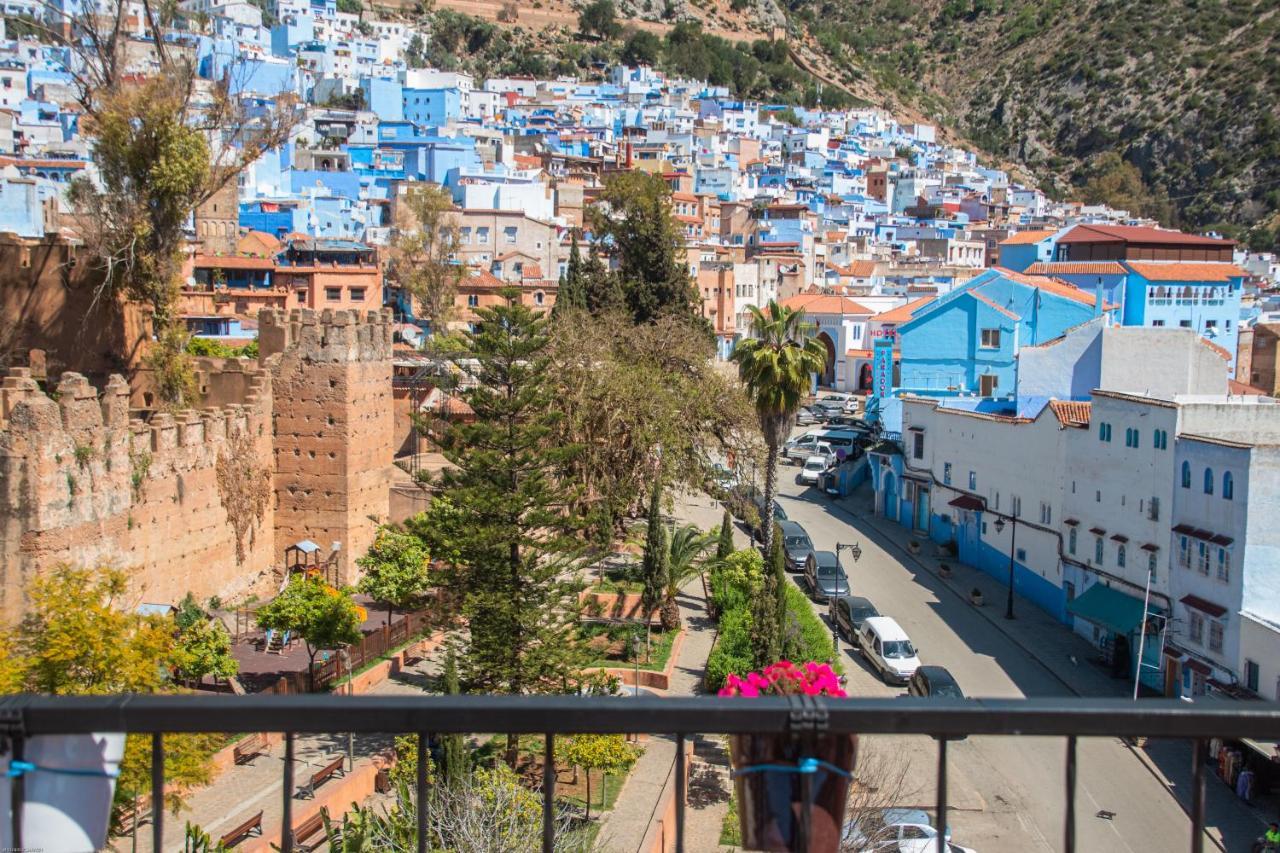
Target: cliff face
1188,91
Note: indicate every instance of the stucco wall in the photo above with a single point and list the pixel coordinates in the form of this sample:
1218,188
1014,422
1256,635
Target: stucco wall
1161,362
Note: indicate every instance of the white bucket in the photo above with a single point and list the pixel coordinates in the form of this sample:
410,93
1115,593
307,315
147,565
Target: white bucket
64,812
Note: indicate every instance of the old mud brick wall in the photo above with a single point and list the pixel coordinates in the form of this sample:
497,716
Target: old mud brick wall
81,483
334,427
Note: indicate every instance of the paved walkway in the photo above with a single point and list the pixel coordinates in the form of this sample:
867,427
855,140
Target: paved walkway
637,803
1072,660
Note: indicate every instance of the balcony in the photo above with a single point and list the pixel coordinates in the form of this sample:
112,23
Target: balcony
550,716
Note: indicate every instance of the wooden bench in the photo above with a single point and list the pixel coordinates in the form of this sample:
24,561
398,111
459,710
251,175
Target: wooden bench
250,748
252,826
324,774
307,829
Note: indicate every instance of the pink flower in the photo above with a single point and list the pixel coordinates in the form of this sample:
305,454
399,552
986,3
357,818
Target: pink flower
786,678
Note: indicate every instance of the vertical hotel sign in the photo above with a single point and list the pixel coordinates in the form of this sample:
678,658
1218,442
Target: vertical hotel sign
881,370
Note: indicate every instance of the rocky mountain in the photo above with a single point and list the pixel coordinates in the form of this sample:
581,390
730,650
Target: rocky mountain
1186,92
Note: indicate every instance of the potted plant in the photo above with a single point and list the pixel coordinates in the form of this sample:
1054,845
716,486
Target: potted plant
944,569
914,546
780,779
975,597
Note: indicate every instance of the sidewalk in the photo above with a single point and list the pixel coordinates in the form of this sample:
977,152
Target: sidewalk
1069,658
638,802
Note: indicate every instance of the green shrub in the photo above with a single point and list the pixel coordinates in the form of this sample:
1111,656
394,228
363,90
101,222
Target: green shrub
732,652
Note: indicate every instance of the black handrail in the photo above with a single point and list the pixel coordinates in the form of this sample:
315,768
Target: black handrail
25,716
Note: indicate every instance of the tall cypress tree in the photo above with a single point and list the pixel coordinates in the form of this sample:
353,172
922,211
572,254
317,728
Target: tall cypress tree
724,546
572,293
514,539
453,751
769,612
657,558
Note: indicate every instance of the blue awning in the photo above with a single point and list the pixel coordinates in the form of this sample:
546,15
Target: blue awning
1108,607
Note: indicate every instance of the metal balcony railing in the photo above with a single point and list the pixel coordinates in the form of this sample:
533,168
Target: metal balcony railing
25,716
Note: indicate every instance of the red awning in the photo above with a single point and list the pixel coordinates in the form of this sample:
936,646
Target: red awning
1150,547
1072,521
1097,531
968,502
1219,539
1195,601
1118,538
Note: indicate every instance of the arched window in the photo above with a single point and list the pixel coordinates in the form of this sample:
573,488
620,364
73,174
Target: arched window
1186,475
1208,481
1120,556
1228,486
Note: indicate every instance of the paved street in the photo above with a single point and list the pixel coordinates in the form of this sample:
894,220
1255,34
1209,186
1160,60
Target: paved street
1007,792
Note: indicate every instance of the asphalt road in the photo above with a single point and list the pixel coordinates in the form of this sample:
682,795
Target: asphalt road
1007,793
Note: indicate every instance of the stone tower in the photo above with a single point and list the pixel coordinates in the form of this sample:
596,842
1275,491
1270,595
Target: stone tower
331,377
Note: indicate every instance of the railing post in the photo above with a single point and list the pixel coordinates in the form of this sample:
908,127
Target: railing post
549,794
680,793
1197,796
423,758
1069,829
286,829
18,793
157,792
942,795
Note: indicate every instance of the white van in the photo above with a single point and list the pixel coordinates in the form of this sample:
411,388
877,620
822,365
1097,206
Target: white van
889,649
811,444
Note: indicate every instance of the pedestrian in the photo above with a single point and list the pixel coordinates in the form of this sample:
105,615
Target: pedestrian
1244,785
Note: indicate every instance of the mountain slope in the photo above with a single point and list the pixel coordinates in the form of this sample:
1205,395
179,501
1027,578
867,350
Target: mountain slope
1188,91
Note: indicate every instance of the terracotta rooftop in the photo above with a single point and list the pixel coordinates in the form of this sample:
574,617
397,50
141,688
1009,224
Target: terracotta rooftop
1240,389
1024,238
1225,353
1077,268
233,262
1157,271
819,304
1137,234
1072,413
902,313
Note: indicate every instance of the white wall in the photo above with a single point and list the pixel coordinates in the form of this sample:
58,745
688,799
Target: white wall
1260,643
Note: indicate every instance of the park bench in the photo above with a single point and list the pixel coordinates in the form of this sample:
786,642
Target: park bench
251,826
250,748
333,768
308,828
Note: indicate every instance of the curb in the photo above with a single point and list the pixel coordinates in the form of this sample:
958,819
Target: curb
1137,753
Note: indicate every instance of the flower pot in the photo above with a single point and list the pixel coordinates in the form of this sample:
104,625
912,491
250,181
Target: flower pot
944,570
68,798
771,801
975,598
913,546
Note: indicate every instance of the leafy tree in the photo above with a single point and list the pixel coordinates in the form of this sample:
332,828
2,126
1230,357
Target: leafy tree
426,235
1113,181
607,753
351,7
642,48
656,563
601,290
777,369
204,648
439,528
633,217
686,558
453,751
724,544
516,571
601,19
396,570
324,617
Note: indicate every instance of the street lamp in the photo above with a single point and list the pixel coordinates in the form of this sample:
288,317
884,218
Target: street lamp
855,551
1013,550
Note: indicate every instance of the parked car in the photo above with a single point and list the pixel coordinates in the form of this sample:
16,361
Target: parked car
807,417
800,449
723,477
832,404
853,405
934,681
813,469
889,649
796,545
900,830
848,613
824,576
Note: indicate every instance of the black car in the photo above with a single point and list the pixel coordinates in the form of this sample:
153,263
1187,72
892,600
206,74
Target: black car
934,681
825,577
796,545
848,612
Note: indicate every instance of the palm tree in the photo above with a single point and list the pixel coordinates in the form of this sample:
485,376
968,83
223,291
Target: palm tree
687,557
776,365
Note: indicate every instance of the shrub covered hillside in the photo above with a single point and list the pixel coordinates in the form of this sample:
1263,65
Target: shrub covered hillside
1186,91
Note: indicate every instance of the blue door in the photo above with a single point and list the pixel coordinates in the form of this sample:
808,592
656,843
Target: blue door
890,496
922,509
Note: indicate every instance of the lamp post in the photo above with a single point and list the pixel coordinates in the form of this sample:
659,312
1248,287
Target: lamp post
1013,551
855,551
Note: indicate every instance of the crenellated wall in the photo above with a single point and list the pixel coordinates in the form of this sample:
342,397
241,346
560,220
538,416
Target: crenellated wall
296,446
81,483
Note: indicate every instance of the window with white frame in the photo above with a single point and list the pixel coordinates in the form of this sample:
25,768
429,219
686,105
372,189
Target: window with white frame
1071,540
1203,553
482,236
991,339
1120,555
1184,552
1097,550
1216,630
1046,513
1224,565
509,234
946,473
1195,627
973,480
1151,565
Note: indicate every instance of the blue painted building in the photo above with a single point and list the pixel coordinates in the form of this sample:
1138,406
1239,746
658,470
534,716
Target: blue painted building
431,107
967,342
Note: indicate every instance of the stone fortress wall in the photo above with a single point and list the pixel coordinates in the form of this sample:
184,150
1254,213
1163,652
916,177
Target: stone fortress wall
297,446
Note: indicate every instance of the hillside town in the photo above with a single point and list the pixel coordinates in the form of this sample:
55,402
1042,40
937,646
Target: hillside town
424,384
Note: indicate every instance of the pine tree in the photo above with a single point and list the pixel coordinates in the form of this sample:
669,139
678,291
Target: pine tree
600,289
453,753
515,573
656,563
724,547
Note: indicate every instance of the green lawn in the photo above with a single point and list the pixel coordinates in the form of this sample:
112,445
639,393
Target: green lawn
660,646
